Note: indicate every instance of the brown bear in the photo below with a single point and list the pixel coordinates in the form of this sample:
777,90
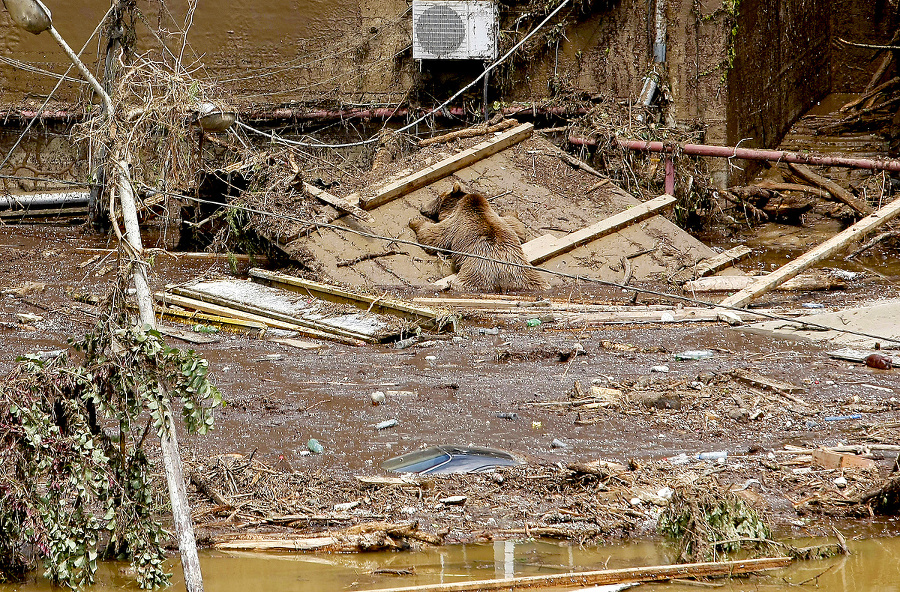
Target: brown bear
467,223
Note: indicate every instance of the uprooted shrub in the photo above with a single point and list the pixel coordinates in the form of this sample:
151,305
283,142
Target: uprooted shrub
75,482
709,522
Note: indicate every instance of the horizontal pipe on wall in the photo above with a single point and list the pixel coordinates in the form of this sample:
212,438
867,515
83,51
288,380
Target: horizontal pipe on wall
43,200
749,154
299,114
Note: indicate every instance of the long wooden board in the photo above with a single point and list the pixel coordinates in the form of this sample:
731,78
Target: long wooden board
616,222
810,258
447,166
173,299
607,576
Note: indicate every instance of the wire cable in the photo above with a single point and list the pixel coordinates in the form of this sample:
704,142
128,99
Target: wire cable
456,95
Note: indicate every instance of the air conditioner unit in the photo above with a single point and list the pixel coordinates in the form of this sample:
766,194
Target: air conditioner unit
454,30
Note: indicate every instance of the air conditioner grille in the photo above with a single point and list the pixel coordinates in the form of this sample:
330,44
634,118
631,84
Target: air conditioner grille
440,30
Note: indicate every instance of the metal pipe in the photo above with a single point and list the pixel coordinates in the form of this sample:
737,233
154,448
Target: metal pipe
749,154
41,200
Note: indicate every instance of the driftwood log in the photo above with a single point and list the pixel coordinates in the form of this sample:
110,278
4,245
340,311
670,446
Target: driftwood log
370,536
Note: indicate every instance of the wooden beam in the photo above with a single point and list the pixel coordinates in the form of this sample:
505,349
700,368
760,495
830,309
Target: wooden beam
733,283
607,576
607,226
547,246
344,205
447,166
722,260
429,317
810,258
833,188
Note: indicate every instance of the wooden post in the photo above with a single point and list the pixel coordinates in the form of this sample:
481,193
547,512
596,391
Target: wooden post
810,258
181,512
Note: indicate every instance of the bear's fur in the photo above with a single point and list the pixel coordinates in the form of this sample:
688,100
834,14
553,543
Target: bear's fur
468,223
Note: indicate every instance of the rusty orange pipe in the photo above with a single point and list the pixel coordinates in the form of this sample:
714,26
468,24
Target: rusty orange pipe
749,154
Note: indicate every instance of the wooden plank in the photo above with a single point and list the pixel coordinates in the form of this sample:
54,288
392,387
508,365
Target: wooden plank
722,260
173,299
836,460
564,244
447,166
607,576
810,258
764,382
194,317
833,188
341,204
534,247
733,283
231,303
429,317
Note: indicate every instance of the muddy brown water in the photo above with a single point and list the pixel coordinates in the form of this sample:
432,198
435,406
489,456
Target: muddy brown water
871,566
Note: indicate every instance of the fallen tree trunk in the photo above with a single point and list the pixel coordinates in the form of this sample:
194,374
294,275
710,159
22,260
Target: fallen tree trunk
371,536
833,188
608,576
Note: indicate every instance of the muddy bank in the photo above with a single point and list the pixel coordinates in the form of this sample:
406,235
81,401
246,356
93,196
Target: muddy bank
451,389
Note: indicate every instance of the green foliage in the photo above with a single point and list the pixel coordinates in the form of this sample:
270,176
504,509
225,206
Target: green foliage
75,483
708,521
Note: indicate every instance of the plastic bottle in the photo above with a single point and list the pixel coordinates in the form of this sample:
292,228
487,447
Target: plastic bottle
716,455
533,323
694,354
314,446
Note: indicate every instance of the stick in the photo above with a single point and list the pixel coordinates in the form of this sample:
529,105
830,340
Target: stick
833,188
468,133
794,187
607,576
871,243
810,258
883,86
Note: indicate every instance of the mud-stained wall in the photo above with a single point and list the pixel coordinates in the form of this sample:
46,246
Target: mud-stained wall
873,22
780,67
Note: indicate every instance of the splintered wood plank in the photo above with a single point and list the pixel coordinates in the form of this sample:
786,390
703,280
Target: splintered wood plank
722,260
614,223
428,316
836,460
810,258
447,166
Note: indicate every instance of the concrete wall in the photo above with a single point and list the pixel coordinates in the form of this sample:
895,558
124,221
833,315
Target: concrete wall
781,67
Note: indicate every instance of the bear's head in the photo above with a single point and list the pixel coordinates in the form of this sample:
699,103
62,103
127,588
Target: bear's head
443,204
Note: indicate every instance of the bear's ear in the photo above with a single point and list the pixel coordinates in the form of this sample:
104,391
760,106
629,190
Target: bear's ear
456,188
